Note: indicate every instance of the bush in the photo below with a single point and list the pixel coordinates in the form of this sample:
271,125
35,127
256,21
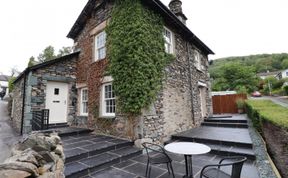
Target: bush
285,90
240,103
259,110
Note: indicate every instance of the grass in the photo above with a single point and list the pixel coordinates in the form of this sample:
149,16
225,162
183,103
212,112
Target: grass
268,110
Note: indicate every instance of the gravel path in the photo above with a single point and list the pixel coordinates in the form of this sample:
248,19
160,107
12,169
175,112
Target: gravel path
8,137
262,160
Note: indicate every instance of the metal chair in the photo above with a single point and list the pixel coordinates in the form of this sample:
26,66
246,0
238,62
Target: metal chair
160,158
213,170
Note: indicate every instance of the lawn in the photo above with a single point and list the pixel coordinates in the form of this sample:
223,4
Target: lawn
268,110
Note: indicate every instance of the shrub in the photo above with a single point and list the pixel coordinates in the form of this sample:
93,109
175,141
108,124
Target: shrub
240,103
286,90
259,110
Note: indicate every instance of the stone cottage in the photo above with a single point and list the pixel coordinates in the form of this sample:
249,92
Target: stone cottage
185,97
183,102
49,85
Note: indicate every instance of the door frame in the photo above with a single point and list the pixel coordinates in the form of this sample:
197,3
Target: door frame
65,120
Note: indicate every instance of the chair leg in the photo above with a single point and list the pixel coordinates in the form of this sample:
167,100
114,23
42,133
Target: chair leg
149,172
167,164
172,169
147,167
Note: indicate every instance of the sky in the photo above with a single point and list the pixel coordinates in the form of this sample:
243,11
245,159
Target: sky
228,27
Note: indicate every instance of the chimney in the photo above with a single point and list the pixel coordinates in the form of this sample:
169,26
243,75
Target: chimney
176,7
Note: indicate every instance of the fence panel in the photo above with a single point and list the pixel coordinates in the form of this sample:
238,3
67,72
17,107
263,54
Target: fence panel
223,104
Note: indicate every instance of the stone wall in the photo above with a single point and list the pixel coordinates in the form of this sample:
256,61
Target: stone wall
177,107
35,91
37,155
64,71
17,104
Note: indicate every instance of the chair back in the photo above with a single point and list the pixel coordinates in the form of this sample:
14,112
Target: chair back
237,167
151,147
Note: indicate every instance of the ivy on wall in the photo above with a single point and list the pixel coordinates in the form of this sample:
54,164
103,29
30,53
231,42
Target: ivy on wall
135,47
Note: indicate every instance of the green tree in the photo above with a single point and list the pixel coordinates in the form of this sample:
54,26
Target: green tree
32,61
65,51
47,54
236,76
284,63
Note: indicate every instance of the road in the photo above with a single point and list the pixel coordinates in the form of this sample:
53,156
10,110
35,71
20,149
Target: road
8,137
278,100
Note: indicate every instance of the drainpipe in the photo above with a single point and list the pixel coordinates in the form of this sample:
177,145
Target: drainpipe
190,84
23,102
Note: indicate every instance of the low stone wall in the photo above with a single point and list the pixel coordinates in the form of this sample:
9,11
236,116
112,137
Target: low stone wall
277,143
37,155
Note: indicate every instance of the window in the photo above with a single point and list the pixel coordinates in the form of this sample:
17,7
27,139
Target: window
168,37
84,102
108,100
197,60
56,91
100,48
286,74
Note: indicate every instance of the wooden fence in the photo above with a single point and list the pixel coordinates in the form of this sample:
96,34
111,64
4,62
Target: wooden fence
226,103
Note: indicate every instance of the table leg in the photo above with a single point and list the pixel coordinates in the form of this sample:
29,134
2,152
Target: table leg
188,164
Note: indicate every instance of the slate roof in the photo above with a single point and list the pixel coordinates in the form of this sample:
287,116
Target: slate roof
45,64
156,5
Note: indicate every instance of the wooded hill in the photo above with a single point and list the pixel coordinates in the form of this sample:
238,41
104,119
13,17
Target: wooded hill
261,62
240,73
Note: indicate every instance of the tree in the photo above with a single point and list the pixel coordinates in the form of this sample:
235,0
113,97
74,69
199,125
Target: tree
284,63
236,76
65,51
32,61
47,54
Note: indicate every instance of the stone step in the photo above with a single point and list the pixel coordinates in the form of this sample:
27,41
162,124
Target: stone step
212,141
225,124
98,162
224,150
58,125
221,116
90,145
68,131
225,120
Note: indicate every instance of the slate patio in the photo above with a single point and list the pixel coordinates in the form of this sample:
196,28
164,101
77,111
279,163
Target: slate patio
97,156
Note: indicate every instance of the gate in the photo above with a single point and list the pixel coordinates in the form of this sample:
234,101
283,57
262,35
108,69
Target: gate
226,103
40,120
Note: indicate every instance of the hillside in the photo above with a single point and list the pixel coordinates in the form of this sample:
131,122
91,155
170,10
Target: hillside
261,62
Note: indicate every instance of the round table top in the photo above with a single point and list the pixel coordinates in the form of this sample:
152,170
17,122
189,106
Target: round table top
187,148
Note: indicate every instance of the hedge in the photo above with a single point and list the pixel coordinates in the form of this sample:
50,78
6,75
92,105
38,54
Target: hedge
259,110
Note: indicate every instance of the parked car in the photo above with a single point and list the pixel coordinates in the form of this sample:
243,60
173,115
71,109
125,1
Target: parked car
256,94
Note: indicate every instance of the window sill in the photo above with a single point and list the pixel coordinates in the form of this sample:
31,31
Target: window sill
98,60
107,117
83,115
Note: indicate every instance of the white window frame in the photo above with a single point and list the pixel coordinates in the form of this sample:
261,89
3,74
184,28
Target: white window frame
97,48
168,41
104,113
82,103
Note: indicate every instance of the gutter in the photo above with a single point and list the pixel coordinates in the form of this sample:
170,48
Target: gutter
23,101
190,85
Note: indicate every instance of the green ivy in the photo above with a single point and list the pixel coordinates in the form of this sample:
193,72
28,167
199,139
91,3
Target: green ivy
135,47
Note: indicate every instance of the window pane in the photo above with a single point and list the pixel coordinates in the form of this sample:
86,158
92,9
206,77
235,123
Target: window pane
109,99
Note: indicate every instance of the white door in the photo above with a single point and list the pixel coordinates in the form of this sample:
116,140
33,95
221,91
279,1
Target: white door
56,101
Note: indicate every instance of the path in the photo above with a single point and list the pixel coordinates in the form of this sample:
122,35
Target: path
8,137
278,100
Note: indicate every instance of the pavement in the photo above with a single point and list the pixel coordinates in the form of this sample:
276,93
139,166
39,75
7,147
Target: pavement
282,101
8,137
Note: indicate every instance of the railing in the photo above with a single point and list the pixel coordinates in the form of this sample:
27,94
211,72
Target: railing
40,120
